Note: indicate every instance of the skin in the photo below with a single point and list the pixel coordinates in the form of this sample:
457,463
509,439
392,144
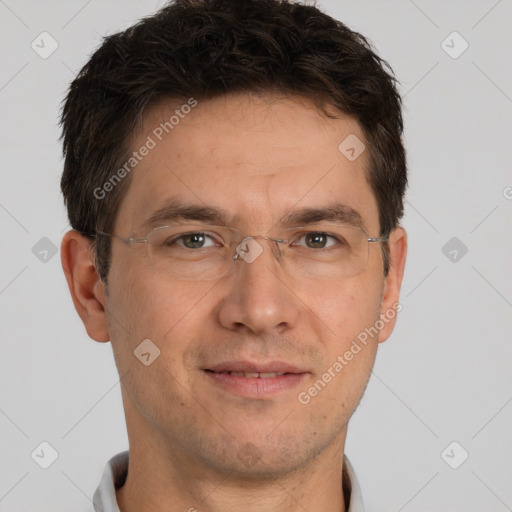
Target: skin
257,157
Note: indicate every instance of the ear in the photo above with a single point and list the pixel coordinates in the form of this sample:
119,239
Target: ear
390,305
85,286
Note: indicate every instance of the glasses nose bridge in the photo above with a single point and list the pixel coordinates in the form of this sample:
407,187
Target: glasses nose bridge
243,249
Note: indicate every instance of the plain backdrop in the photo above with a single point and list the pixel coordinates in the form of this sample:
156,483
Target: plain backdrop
445,375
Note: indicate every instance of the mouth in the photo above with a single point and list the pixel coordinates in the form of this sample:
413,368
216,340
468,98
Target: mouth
252,375
254,380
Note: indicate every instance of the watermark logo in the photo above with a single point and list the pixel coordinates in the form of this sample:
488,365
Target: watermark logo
455,455
249,250
454,249
351,147
44,45
147,352
249,454
44,250
44,455
454,45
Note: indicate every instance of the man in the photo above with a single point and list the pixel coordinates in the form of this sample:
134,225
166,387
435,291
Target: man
234,174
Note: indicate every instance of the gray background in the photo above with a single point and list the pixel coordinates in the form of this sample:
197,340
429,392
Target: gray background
444,375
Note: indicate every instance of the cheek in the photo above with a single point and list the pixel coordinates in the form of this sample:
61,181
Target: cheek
343,311
345,318
169,313
142,307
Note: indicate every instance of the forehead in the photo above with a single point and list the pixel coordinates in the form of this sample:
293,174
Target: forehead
254,157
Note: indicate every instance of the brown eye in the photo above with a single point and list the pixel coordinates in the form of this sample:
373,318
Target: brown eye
196,240
316,240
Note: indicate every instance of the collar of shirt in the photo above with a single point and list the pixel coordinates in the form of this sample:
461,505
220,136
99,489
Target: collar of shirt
116,470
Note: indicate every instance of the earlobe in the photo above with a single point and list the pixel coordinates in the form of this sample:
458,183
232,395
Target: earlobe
85,286
390,305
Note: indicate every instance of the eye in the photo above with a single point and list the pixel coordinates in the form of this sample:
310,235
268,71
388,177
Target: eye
317,240
196,240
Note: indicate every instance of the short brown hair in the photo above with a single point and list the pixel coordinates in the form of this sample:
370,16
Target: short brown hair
207,48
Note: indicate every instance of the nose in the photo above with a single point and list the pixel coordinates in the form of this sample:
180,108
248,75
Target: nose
259,297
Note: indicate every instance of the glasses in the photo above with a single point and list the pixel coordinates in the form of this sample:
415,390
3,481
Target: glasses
202,253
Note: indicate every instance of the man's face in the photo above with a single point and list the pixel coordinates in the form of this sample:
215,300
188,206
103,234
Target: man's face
257,160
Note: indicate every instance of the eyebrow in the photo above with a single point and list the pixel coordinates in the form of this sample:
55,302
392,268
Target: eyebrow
175,210
336,213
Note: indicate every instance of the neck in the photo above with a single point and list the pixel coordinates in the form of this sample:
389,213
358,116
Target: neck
160,479
164,475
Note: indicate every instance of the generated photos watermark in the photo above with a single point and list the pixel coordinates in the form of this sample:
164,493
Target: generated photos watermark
152,141
305,397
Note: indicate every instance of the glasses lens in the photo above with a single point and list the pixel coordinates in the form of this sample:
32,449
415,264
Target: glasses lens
326,251
191,252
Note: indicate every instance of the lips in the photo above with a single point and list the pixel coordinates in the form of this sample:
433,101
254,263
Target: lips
254,375
255,370
255,380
